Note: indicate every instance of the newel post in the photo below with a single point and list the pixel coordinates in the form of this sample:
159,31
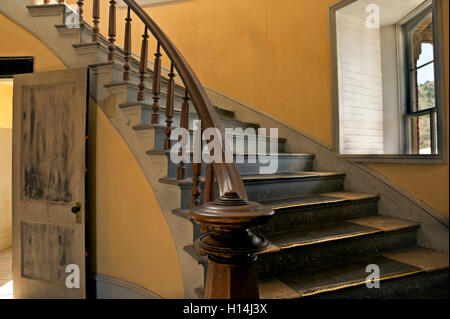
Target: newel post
231,246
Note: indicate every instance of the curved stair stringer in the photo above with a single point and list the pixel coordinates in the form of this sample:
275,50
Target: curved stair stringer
168,196
394,201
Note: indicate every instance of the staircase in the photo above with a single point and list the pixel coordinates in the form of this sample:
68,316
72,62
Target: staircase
322,236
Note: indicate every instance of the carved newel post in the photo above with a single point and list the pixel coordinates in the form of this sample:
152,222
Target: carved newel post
231,246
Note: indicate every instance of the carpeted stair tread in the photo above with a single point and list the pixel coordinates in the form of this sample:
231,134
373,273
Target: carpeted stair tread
393,265
337,231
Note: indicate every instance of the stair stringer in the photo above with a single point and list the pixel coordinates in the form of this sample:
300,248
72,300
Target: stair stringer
394,201
154,167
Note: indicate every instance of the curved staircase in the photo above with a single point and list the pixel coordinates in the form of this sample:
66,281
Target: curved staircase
322,236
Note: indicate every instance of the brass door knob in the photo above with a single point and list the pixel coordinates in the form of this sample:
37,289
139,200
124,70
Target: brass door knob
76,208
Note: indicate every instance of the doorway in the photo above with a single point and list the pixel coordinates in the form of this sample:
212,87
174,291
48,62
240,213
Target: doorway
9,66
6,101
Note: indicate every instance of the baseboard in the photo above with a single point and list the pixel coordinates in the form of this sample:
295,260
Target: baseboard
107,287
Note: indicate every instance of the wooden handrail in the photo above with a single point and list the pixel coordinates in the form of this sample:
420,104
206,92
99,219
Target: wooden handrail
225,222
227,175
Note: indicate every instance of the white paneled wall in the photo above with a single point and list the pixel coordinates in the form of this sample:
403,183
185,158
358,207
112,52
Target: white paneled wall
360,86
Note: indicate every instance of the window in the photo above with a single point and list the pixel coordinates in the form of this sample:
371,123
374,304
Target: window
387,81
421,103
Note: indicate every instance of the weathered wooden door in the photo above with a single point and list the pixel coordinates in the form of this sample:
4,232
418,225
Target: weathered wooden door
49,129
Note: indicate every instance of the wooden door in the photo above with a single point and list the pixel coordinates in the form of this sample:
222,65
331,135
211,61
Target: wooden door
48,181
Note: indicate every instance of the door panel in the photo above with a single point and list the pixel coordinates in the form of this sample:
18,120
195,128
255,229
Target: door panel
49,128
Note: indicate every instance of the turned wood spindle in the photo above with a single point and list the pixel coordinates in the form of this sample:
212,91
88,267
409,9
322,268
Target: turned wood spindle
169,107
112,29
208,192
195,191
184,123
59,1
143,65
127,46
80,10
96,21
156,85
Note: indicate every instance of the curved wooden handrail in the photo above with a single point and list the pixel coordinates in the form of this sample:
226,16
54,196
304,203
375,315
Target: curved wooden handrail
227,175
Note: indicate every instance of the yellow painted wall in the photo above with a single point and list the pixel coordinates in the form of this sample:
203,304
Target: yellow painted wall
16,41
6,93
132,239
275,55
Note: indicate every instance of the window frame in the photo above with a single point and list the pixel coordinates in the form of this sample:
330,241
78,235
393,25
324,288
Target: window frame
410,111
441,157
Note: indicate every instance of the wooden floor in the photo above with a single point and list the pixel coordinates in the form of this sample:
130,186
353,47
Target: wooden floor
6,287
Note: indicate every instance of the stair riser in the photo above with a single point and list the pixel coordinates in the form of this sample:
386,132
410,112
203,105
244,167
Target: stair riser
334,252
285,164
54,12
294,219
139,115
130,92
77,35
432,285
270,190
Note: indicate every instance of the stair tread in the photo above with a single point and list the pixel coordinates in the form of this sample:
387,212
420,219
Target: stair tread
290,175
192,114
336,231
297,155
393,265
264,177
317,200
142,127
301,202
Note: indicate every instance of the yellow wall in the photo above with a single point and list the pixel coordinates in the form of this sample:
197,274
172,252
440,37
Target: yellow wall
275,55
132,239
6,93
16,41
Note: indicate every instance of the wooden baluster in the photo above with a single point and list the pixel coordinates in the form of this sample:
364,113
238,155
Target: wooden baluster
156,85
143,65
112,29
46,1
169,107
61,1
208,192
96,21
80,10
127,46
195,191
184,123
